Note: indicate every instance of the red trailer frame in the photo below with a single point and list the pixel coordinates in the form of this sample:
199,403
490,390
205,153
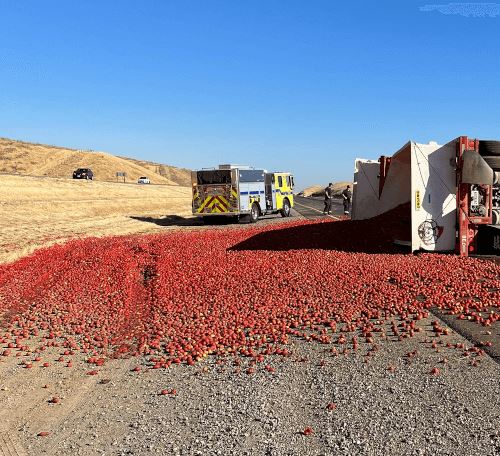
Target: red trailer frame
466,222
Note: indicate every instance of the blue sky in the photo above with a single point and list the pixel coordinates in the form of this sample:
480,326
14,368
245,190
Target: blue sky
294,85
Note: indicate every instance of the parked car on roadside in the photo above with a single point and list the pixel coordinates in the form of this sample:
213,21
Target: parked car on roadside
83,173
143,180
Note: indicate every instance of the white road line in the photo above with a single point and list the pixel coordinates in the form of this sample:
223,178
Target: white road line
317,210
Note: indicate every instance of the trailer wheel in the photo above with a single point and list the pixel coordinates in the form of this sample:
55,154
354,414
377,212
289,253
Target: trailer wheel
286,210
489,148
494,162
254,213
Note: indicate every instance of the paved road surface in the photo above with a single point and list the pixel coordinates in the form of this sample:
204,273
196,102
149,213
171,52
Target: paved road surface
313,207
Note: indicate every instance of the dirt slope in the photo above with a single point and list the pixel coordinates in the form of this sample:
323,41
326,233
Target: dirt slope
18,157
318,190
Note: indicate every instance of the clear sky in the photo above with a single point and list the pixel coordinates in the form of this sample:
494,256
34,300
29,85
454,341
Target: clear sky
301,85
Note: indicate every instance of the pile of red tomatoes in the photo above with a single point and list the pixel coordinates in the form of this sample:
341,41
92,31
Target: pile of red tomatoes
180,296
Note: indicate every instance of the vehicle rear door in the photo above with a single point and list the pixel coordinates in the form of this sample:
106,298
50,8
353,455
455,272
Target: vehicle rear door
278,185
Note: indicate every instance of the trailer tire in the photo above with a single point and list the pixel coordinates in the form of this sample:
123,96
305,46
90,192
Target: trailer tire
286,210
489,148
494,162
254,213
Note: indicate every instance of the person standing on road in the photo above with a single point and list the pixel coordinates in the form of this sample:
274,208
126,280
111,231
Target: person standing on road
328,199
347,196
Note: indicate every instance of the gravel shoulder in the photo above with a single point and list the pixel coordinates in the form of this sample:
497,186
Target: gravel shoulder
385,403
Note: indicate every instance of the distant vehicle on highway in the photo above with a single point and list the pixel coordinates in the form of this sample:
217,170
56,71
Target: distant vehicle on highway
143,180
83,173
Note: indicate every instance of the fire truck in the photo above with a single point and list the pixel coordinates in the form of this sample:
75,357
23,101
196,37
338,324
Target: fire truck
241,192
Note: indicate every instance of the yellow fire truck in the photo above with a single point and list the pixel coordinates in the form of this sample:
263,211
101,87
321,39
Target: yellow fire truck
241,191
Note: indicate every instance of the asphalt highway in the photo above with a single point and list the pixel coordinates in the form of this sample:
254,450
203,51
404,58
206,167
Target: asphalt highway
312,208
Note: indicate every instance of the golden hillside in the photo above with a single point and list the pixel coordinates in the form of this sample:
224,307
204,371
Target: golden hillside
181,176
319,190
18,157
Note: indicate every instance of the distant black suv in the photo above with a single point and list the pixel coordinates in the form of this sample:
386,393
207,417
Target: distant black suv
83,173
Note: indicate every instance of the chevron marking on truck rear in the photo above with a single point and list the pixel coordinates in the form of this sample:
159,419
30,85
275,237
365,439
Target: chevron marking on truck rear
216,204
207,201
220,203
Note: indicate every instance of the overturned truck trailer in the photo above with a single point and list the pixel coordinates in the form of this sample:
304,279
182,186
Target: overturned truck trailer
450,194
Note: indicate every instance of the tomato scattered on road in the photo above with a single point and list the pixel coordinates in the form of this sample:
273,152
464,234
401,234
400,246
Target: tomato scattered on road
181,296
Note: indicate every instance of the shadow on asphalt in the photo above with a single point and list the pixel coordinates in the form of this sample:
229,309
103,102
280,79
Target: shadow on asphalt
376,235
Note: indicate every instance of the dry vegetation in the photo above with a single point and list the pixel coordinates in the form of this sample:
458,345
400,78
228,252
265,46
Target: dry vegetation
319,190
18,157
36,212
180,176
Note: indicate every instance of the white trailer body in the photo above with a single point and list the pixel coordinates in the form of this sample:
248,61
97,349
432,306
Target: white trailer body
423,175
433,197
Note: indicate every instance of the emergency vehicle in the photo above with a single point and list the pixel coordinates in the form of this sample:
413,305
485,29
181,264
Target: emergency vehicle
241,191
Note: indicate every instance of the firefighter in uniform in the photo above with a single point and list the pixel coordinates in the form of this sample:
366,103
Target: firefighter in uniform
347,196
328,199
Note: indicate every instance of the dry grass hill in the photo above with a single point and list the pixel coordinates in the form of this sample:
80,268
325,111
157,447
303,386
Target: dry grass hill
318,190
18,157
180,176
37,212
40,203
